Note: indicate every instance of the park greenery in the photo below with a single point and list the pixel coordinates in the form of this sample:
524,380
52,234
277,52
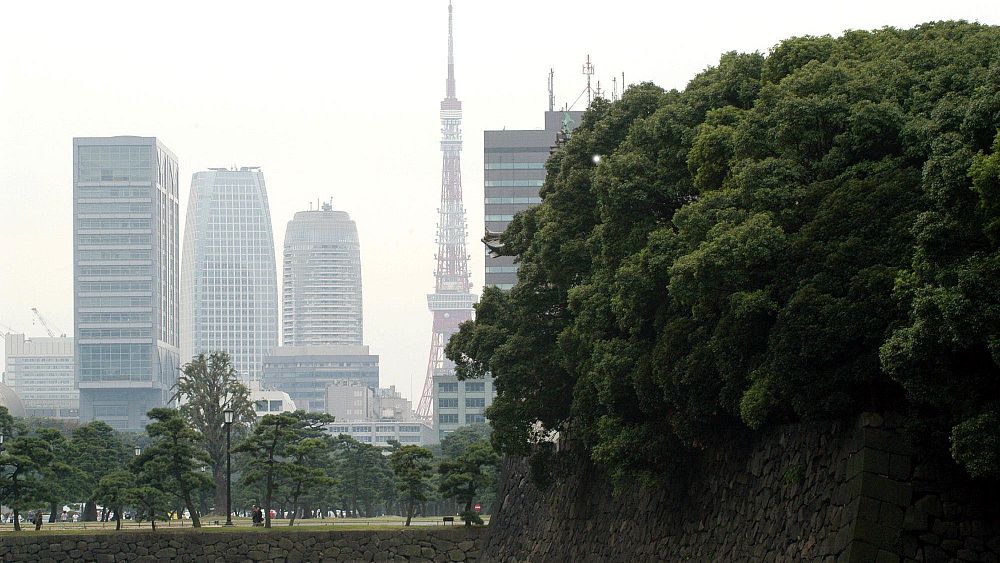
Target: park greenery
800,235
286,462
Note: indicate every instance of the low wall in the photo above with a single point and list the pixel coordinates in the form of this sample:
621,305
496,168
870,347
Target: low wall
278,546
830,492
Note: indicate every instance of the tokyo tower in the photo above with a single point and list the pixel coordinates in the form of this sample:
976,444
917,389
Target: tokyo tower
451,302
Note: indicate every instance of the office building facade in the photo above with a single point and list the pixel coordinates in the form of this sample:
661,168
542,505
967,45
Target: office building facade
126,259
378,433
40,371
460,403
350,399
305,371
229,287
321,285
514,171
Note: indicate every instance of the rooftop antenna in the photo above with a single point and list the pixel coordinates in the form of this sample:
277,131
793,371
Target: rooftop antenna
310,206
597,91
588,71
614,88
552,92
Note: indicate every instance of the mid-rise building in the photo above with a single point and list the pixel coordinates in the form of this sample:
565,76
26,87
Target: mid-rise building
40,370
305,371
229,287
126,260
514,162
350,399
391,405
269,401
378,433
458,403
321,287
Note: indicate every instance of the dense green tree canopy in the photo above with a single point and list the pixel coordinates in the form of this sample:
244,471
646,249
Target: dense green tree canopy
800,235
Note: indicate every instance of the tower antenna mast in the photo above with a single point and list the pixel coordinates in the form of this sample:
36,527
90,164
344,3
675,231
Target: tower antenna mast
588,71
552,90
452,300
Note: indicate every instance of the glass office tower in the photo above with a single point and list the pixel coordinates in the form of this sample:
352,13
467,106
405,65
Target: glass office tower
321,289
125,282
229,288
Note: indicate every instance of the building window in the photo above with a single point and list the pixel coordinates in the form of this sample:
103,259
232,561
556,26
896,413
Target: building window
448,403
275,406
105,411
361,429
475,386
409,429
448,387
448,418
475,402
515,166
501,269
474,418
260,406
514,183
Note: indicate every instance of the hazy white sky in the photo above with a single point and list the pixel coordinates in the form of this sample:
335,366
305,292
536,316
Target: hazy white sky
337,99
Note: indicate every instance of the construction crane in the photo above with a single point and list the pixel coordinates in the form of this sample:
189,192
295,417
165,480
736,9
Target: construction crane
47,325
5,330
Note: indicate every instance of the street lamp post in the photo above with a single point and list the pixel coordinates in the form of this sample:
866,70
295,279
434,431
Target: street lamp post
228,414
137,451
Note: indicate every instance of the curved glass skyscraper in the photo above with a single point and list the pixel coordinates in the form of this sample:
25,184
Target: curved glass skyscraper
229,288
321,289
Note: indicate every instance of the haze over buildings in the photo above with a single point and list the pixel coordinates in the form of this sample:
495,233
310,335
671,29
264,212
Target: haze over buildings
321,285
40,371
362,130
125,277
229,289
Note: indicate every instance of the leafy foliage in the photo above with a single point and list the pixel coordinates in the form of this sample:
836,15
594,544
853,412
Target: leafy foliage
466,475
412,467
206,388
800,235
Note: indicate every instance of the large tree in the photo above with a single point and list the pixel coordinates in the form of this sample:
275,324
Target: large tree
175,461
412,468
801,235
465,476
95,450
278,449
206,388
114,490
364,475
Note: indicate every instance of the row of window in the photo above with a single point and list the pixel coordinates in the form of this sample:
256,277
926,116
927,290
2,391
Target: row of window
113,301
470,386
116,287
113,254
453,418
107,192
115,317
109,270
511,200
105,333
514,183
113,239
501,269
470,402
499,217
113,208
515,166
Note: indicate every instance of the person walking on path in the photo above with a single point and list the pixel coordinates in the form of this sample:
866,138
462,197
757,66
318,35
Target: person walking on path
258,516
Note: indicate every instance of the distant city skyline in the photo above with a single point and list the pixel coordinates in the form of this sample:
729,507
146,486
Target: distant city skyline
337,109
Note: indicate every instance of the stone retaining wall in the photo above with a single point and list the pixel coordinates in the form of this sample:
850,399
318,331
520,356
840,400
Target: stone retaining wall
278,546
830,492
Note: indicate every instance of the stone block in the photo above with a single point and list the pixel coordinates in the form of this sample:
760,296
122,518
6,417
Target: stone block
886,490
875,461
886,557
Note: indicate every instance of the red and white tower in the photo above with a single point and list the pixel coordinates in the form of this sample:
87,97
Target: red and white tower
451,302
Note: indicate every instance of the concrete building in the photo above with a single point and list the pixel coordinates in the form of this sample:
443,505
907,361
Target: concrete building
126,259
378,433
229,287
514,162
269,401
391,405
321,287
350,399
304,371
458,403
40,371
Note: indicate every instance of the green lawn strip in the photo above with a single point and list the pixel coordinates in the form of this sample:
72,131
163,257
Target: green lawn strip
220,529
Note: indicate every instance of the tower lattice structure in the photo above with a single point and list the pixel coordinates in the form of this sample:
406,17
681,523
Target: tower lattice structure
451,302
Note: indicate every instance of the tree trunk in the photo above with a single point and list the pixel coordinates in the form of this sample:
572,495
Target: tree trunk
53,506
219,474
468,512
409,511
17,521
195,521
118,518
89,511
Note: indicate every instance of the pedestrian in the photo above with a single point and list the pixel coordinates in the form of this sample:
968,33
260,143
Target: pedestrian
38,520
257,516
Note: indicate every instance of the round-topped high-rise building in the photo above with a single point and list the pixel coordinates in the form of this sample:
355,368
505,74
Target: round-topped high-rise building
229,288
321,286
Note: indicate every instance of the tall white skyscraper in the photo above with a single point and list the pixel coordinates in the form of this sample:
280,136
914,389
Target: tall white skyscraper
321,287
125,277
229,288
